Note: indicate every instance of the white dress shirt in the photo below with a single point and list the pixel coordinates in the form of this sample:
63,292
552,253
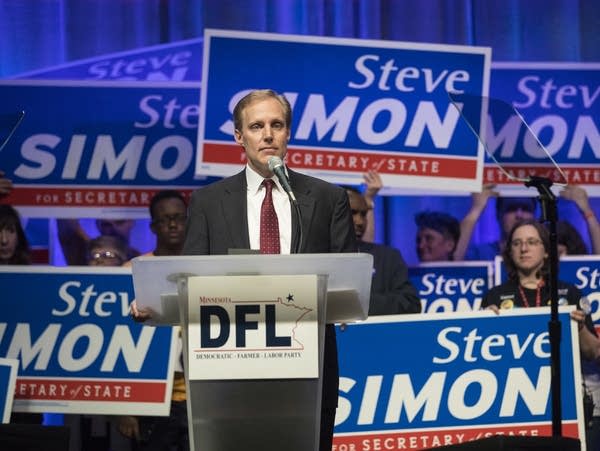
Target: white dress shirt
255,195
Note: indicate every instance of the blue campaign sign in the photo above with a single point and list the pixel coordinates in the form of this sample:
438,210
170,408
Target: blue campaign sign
451,286
78,349
561,104
357,105
584,273
470,376
176,61
98,148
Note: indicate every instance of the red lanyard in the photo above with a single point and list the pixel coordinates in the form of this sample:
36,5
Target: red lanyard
538,294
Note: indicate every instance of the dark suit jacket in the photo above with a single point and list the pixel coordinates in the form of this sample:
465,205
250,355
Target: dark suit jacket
391,290
218,221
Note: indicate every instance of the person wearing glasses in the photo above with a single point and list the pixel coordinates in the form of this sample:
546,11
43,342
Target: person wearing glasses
74,240
527,264
168,213
106,250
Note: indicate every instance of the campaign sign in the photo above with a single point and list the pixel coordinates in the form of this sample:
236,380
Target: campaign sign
253,327
78,349
98,148
8,377
584,272
422,381
451,286
561,104
357,105
176,61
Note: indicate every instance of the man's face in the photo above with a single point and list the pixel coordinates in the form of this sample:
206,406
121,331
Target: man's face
169,222
432,246
359,208
264,133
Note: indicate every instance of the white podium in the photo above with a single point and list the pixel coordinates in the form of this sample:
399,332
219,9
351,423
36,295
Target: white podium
236,398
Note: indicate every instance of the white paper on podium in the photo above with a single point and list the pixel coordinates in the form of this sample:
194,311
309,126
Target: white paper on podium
253,327
348,285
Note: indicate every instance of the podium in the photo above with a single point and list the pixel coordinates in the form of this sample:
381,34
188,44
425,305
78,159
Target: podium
254,398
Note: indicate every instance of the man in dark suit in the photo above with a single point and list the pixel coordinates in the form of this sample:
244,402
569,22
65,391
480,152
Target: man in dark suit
226,215
391,290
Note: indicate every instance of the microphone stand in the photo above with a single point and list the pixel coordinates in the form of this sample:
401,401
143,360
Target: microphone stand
296,249
550,216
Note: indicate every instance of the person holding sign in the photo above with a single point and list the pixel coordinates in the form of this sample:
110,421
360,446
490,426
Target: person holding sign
527,263
373,184
509,211
579,195
391,290
438,234
168,213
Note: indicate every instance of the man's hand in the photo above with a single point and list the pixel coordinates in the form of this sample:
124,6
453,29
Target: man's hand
139,314
479,200
374,184
129,427
579,317
578,195
6,185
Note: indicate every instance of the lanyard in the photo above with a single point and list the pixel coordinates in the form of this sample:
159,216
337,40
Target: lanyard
538,294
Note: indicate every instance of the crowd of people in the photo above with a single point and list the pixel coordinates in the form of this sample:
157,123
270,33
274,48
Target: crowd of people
334,219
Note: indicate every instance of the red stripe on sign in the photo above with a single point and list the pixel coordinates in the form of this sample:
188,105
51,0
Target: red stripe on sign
581,175
384,163
418,439
82,196
87,390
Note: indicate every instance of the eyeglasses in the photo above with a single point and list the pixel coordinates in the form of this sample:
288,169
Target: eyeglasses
167,219
105,256
530,242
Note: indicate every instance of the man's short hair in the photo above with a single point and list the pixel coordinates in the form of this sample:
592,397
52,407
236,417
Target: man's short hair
162,195
441,222
261,94
508,204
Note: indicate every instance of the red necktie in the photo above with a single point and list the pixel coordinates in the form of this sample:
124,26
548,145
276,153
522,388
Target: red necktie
269,226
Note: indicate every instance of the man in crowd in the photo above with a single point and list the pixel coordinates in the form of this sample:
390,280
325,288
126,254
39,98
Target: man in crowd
168,213
437,236
391,291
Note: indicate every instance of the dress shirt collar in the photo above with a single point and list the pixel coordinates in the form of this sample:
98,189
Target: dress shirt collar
254,180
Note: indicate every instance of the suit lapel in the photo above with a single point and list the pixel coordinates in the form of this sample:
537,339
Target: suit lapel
306,205
234,210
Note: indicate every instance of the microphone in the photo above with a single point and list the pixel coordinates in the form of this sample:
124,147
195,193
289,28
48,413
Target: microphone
276,165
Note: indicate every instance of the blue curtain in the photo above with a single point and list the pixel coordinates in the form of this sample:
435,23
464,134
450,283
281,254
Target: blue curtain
41,33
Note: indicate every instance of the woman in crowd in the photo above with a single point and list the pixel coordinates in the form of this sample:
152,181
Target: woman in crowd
527,263
14,250
14,246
